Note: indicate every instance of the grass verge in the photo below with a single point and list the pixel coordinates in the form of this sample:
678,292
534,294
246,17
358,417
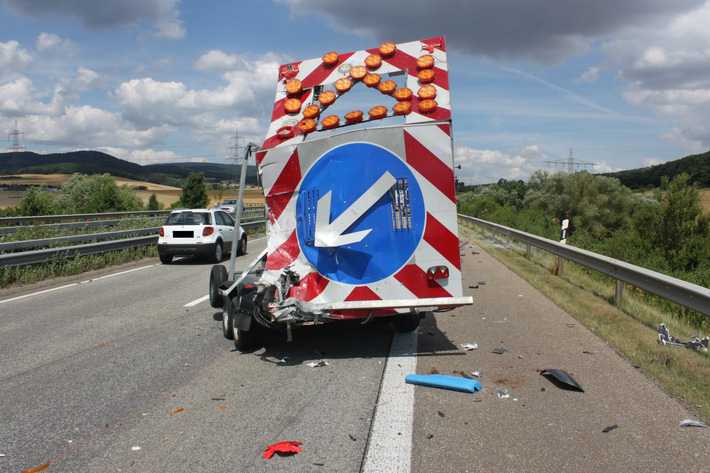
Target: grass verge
629,329
20,275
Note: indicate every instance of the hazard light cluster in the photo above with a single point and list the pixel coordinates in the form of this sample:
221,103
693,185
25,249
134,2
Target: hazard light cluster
424,100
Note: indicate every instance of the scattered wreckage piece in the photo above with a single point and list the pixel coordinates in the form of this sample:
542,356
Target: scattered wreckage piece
284,448
695,343
562,379
442,381
693,423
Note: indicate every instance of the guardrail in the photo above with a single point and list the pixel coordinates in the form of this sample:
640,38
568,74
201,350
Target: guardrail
681,292
11,246
32,220
50,254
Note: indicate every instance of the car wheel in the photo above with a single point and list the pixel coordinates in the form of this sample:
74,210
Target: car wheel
406,322
246,340
165,259
218,274
228,317
218,252
242,248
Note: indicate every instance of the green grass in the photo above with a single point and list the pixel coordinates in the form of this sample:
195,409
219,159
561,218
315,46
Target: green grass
629,329
21,275
34,232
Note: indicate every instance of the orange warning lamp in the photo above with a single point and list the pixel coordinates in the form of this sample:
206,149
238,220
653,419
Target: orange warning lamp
426,75
373,61
426,92
353,117
343,85
330,58
403,93
387,87
371,79
428,105
402,108
358,72
378,111
326,98
425,62
307,125
331,121
387,48
311,111
293,86
292,106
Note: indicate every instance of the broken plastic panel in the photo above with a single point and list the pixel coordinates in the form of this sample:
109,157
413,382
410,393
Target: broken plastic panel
562,379
453,383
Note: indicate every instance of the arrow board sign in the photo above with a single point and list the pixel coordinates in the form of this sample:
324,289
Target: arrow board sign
360,214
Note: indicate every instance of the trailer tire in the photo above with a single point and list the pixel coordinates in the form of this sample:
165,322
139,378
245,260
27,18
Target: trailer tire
246,340
228,316
406,322
242,247
218,274
165,259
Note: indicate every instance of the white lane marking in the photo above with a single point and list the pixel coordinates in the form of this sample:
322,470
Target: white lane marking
45,291
197,301
389,447
117,274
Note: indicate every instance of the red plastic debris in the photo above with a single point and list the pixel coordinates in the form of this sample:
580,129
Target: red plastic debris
287,447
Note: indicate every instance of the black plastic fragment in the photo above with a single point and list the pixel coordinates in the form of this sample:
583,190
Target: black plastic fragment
562,379
606,430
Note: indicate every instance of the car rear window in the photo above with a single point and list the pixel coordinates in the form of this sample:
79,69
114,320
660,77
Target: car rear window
188,218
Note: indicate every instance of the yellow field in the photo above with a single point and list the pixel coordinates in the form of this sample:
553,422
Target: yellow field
165,194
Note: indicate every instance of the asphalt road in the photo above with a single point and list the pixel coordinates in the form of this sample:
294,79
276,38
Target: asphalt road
116,374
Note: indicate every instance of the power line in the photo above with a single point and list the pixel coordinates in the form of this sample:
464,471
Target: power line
14,138
571,165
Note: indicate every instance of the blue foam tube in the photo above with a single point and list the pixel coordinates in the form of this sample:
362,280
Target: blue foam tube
454,383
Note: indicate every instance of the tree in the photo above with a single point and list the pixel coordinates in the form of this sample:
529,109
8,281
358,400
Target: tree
37,201
153,202
98,193
194,193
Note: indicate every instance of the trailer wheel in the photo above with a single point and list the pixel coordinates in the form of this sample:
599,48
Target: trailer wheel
228,317
406,322
242,247
165,259
246,340
218,274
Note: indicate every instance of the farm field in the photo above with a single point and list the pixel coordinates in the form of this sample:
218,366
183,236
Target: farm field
166,195
705,200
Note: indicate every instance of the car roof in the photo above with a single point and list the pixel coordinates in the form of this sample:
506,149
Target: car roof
192,210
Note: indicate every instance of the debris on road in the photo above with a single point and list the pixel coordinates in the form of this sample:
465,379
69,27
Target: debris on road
352,437
135,448
441,414
477,374
473,286
433,371
286,447
693,423
453,383
695,343
462,374
499,350
218,399
587,352
469,346
502,393
177,410
561,379
37,469
429,436
606,430
317,364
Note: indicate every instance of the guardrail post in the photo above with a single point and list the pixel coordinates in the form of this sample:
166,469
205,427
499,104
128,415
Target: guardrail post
528,251
560,265
618,292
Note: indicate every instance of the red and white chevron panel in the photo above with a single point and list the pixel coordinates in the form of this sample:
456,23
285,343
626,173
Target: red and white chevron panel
424,143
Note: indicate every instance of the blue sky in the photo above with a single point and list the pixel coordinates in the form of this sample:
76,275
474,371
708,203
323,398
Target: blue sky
163,80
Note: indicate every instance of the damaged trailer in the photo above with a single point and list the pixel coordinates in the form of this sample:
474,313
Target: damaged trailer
361,212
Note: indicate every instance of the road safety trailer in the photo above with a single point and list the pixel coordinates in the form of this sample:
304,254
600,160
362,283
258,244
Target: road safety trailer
361,215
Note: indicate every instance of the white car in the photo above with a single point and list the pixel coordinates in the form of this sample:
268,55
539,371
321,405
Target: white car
229,206
199,232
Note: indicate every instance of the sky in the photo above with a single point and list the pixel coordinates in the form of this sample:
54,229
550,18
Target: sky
622,84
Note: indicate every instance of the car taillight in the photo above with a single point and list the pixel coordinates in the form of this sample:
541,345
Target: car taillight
161,232
207,231
436,273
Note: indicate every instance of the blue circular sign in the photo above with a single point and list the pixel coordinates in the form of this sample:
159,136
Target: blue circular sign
372,214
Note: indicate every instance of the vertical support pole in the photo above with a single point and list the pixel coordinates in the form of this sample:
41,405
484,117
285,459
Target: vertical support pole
528,251
560,266
238,216
619,292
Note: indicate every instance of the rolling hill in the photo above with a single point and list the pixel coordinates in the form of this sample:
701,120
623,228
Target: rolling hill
697,166
96,162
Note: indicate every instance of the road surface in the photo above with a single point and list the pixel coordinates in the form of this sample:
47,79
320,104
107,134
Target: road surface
129,372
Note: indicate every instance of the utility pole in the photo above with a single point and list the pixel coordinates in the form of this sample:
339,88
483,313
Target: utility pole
571,165
14,138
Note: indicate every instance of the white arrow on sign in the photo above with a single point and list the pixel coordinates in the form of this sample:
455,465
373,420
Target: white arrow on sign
330,234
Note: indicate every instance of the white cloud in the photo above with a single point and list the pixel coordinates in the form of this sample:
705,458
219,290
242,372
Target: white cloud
216,60
18,97
590,75
481,166
86,78
51,42
13,58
